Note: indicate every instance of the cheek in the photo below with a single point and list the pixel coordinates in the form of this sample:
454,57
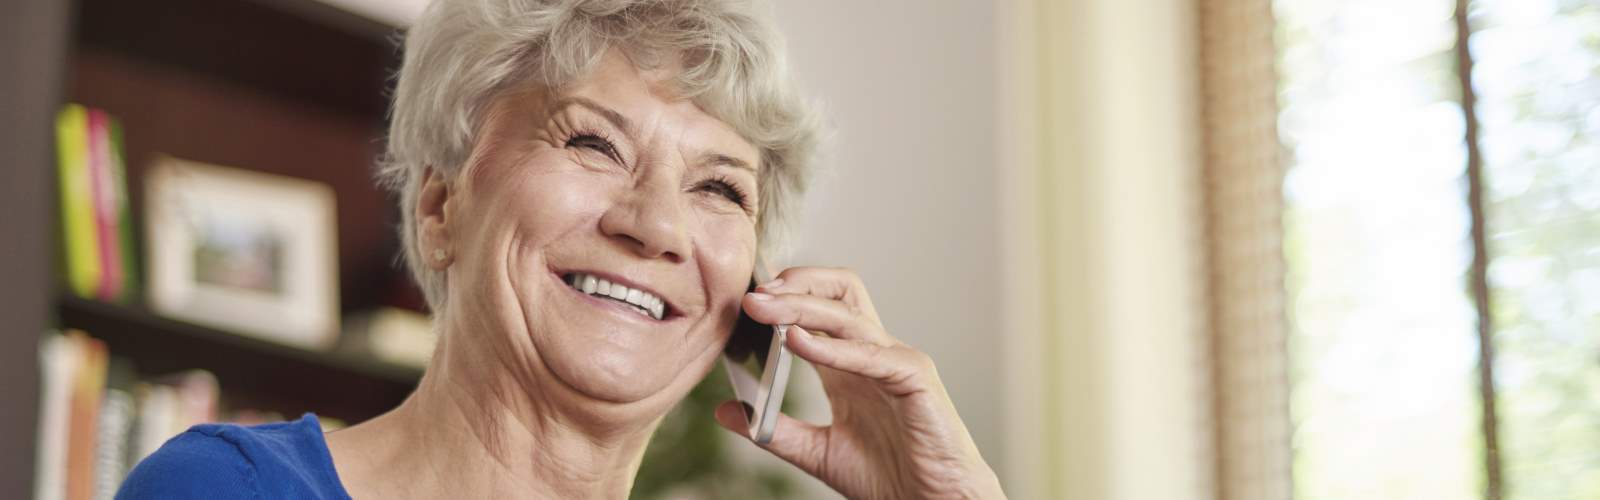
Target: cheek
543,204
728,253
547,206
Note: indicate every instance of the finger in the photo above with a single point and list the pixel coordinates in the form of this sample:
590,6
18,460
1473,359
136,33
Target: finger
795,441
814,313
730,414
900,369
833,283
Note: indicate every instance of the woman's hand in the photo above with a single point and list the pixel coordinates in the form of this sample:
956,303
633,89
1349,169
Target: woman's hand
895,433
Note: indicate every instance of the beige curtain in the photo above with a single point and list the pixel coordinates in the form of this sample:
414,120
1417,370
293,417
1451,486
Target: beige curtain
1242,178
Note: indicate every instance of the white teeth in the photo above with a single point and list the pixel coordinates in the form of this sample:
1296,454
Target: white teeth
647,303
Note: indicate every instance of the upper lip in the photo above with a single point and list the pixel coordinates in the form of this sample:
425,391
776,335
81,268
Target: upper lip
670,308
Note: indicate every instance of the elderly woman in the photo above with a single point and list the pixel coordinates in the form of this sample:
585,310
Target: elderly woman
657,145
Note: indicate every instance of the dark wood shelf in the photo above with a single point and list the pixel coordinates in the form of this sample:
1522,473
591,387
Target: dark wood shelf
254,373
297,49
291,87
275,86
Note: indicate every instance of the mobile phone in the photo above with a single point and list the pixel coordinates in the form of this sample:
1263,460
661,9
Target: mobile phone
758,366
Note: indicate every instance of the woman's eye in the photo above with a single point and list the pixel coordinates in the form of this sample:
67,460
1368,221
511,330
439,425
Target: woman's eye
596,143
724,190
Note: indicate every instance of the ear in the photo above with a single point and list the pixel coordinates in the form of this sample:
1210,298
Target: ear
432,215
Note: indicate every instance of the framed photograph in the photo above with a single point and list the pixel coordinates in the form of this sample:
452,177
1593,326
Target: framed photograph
243,251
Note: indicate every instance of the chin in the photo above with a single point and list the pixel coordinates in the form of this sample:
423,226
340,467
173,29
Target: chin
612,377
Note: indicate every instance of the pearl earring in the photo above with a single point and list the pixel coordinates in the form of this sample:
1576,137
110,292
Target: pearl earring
438,255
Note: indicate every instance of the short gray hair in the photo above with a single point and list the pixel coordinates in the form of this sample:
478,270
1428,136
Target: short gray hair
460,54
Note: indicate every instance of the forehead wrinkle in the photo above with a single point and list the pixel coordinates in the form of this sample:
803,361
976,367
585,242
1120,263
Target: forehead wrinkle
688,138
716,135
715,159
707,154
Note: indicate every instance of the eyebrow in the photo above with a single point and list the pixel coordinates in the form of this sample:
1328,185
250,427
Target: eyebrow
622,122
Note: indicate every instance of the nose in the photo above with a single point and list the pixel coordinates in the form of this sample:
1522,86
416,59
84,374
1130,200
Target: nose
650,219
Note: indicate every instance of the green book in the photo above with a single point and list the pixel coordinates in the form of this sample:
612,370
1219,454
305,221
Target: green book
80,244
129,287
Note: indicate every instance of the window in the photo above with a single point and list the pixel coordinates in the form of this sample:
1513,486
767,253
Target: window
1537,75
1386,396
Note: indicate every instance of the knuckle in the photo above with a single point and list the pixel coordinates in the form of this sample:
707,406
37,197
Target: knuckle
874,351
810,272
850,277
797,315
792,273
855,289
852,310
921,360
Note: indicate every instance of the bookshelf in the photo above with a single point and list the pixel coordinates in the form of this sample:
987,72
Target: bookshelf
266,374
291,87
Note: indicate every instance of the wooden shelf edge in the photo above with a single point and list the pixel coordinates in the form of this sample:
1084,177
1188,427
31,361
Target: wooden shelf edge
140,323
254,373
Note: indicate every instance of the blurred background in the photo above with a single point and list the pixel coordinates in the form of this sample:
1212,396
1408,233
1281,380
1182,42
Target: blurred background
1208,249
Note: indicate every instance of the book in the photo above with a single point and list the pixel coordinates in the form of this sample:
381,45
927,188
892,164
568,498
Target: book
59,356
88,389
115,429
197,396
98,418
170,405
80,241
103,206
113,221
130,276
96,224
157,421
97,229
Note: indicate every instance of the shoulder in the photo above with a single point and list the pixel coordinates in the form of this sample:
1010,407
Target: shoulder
288,459
192,465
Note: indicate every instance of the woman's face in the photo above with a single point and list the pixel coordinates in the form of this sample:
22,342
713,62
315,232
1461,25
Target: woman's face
612,178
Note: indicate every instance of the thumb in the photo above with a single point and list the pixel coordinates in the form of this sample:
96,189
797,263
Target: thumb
794,441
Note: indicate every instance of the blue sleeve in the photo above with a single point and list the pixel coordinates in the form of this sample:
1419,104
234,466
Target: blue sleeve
190,466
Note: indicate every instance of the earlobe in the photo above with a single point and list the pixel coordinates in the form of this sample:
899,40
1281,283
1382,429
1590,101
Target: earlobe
431,215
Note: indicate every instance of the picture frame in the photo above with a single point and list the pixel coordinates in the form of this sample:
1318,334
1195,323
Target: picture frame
243,251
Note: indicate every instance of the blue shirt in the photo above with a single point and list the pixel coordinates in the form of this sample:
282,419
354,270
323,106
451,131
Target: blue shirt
224,461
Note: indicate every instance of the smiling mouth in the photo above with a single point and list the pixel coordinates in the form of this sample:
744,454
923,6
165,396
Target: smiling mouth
645,303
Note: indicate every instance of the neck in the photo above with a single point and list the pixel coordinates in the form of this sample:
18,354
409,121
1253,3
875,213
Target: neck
473,429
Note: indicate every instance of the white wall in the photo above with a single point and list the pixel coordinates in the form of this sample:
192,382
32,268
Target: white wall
910,199
1014,179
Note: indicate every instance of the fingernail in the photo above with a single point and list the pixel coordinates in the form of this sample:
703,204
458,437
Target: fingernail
771,284
760,296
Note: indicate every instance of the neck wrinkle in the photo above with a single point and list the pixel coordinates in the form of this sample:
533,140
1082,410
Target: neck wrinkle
485,414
